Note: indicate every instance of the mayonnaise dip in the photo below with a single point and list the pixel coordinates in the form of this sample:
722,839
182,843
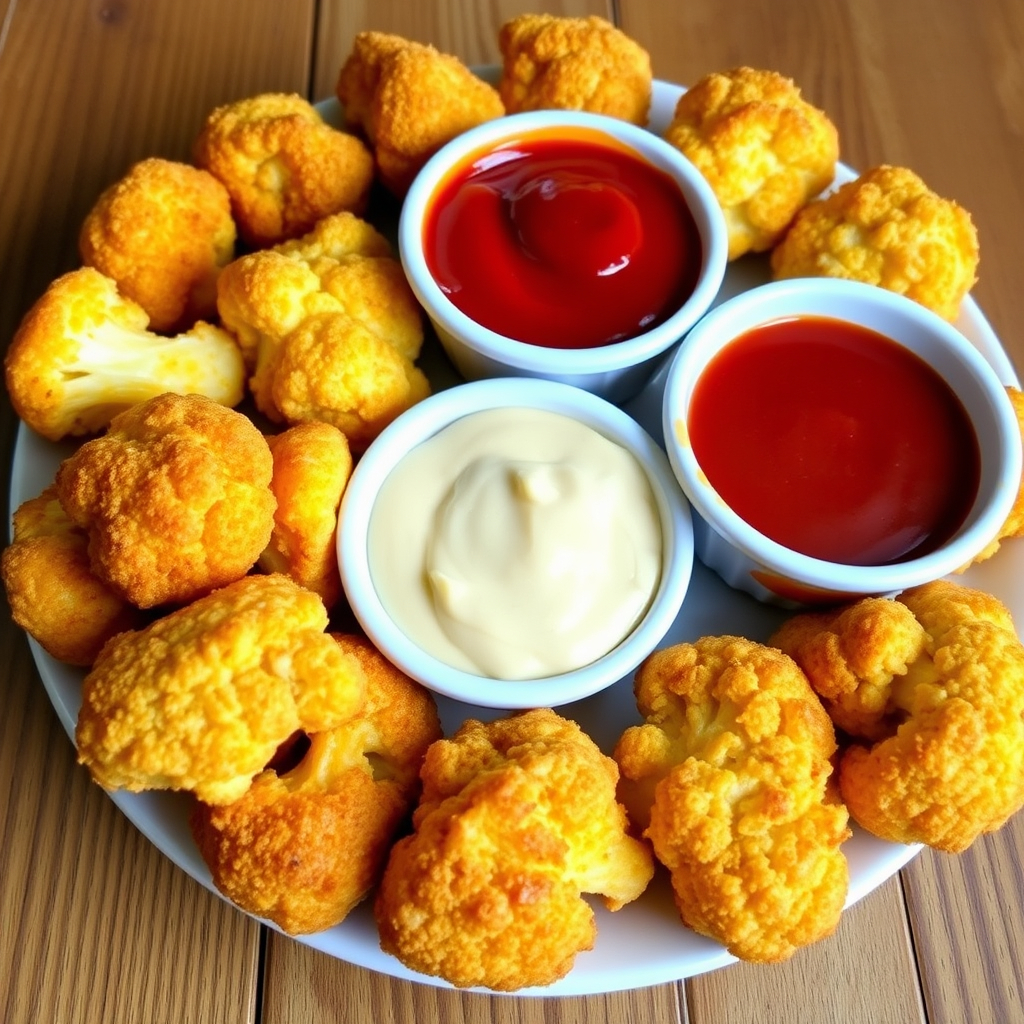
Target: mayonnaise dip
516,544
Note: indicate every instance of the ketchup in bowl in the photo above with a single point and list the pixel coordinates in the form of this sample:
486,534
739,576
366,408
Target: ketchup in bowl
835,441
559,240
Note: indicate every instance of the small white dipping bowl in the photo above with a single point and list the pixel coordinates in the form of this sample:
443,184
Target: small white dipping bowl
745,558
426,419
616,371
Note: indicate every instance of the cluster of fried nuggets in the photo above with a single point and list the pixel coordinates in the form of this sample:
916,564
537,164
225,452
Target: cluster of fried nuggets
185,557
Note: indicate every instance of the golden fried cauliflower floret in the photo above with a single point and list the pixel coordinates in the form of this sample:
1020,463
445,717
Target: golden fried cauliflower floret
889,229
763,149
312,464
162,233
552,62
1014,523
342,267
201,699
283,167
360,383
931,685
53,593
732,767
175,499
83,353
409,100
303,847
517,818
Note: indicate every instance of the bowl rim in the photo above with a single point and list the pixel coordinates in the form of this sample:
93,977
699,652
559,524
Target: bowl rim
424,420
524,356
856,302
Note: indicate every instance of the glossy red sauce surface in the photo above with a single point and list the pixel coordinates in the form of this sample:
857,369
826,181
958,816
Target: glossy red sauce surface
835,441
564,242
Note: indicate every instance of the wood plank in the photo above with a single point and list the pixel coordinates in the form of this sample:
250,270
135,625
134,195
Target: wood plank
96,924
301,983
972,947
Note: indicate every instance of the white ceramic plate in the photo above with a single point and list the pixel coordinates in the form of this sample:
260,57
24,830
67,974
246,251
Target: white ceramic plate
644,943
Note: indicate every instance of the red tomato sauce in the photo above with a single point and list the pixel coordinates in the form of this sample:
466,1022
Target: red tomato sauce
562,241
835,441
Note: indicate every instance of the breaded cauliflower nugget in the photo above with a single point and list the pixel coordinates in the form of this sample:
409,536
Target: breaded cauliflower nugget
312,464
162,233
53,593
552,62
889,229
283,167
764,150
83,353
353,368
362,383
1014,524
732,767
931,685
175,499
518,817
302,848
409,100
201,699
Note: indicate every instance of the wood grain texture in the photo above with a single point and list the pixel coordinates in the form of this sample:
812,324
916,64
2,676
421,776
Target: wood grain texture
970,949
303,984
95,924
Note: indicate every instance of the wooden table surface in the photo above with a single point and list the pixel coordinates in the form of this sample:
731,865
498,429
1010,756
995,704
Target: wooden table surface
95,924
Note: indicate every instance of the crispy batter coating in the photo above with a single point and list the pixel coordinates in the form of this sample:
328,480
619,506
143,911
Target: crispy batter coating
409,100
304,847
283,167
275,303
362,383
162,232
732,767
517,818
175,499
201,699
889,229
312,464
53,593
552,62
931,685
83,353
763,149
1014,524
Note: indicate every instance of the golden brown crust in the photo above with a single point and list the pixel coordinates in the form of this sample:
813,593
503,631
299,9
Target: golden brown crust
175,499
933,693
889,229
763,149
312,464
409,99
735,757
162,233
283,167
304,847
552,62
518,817
201,699
53,593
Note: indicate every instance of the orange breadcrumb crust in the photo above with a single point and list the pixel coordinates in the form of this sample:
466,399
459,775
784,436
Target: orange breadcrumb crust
732,770
931,688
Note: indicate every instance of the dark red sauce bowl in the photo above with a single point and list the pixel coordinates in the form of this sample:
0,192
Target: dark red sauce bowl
837,440
564,245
